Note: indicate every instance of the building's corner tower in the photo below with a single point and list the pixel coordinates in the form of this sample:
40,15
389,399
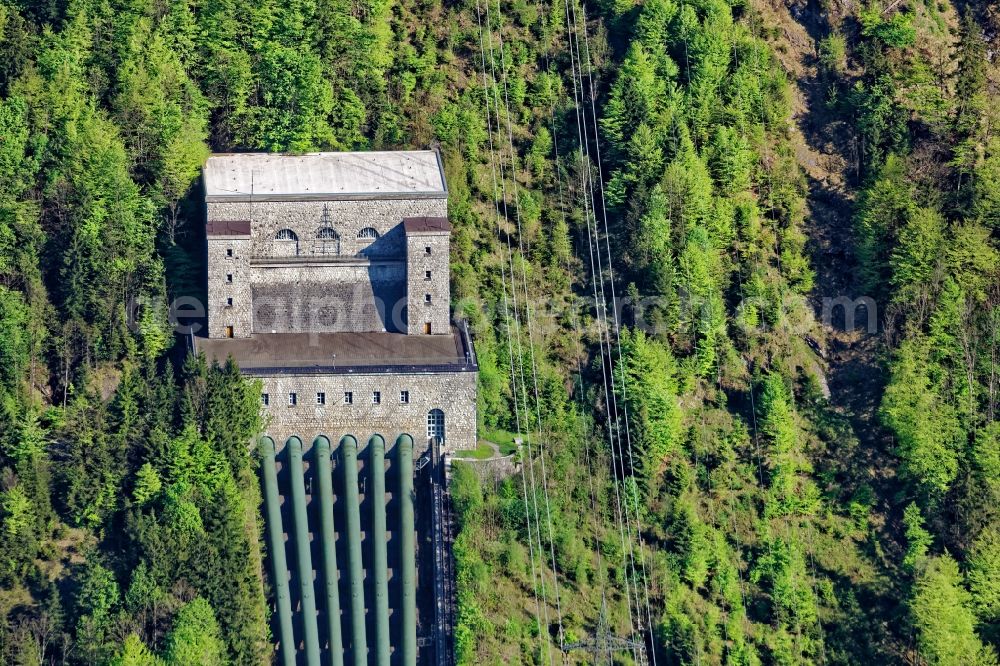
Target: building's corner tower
229,307
428,293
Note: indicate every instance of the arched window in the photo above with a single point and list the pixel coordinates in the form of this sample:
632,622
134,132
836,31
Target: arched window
435,425
328,241
368,233
287,243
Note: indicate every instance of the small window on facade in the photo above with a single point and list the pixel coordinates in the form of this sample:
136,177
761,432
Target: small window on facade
229,277
229,251
404,397
328,241
229,331
287,243
376,397
368,233
265,399
427,298
427,249
229,302
348,398
321,398
427,275
293,399
427,328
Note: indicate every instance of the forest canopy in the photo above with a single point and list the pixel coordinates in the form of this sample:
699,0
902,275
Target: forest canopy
721,471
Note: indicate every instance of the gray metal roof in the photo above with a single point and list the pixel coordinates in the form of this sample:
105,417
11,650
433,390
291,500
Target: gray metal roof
366,175
342,353
426,225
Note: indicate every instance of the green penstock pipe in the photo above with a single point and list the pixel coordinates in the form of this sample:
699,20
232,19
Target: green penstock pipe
349,452
308,595
404,447
380,559
278,563
321,448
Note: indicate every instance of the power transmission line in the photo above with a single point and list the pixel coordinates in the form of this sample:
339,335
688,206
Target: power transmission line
487,87
528,320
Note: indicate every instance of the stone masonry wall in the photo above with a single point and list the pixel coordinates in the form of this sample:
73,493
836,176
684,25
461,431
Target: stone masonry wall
452,392
418,262
305,218
228,257
330,298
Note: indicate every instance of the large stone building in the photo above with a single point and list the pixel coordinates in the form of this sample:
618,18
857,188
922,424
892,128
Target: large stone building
328,280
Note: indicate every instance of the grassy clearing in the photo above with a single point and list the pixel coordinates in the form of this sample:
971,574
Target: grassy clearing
482,452
504,439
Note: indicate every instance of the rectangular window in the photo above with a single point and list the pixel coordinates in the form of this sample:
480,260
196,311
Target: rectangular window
292,399
229,251
348,398
321,398
427,249
229,277
404,397
376,397
265,399
229,331
427,275
427,328
229,302
427,299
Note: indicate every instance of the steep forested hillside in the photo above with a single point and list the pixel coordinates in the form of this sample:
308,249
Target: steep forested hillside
715,469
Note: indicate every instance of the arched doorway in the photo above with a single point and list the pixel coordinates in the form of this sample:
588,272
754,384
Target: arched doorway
435,425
